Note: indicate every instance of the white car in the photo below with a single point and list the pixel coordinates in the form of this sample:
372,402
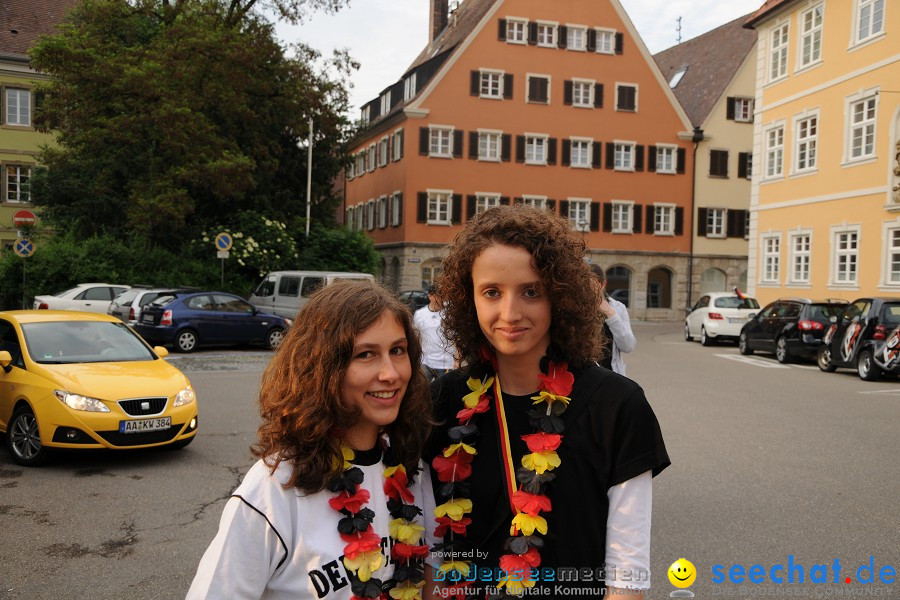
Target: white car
718,315
88,297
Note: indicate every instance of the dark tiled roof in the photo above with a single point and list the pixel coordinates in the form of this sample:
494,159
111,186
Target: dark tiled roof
22,21
765,9
712,59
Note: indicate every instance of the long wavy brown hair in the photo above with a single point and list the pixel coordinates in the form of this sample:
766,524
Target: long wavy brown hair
303,412
558,256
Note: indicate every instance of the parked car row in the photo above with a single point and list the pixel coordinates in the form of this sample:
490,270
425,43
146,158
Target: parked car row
863,335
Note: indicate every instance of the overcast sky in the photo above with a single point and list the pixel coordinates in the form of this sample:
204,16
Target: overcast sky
384,36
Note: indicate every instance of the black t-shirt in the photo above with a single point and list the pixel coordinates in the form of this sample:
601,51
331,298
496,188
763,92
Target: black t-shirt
611,435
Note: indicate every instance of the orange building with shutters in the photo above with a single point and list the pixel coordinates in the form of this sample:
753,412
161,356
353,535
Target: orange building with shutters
552,104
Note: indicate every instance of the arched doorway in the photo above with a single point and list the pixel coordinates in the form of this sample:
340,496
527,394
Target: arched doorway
713,280
659,288
431,268
618,284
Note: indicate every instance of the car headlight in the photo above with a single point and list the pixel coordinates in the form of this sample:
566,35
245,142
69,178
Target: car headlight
185,396
78,402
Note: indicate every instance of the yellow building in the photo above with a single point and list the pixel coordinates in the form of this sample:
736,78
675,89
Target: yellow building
23,21
825,202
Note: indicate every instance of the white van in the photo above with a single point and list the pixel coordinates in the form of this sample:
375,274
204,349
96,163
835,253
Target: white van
285,292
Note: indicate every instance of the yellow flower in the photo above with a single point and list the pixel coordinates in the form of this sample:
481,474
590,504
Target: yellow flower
528,523
549,398
389,471
454,565
448,452
478,389
541,461
365,563
406,532
515,587
407,591
455,509
348,455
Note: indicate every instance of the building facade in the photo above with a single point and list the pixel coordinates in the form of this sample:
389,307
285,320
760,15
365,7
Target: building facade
825,220
714,78
550,104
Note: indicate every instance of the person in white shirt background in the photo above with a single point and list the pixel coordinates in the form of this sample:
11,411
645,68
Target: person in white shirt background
616,327
438,356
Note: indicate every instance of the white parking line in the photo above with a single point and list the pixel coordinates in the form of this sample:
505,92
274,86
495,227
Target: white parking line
756,362
891,392
808,367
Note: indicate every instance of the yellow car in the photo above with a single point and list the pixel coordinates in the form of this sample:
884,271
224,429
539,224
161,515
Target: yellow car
78,380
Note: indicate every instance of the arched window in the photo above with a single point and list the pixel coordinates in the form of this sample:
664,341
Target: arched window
659,288
431,268
618,284
713,280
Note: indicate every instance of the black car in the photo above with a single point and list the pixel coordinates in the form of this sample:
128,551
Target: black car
865,337
414,299
187,320
789,328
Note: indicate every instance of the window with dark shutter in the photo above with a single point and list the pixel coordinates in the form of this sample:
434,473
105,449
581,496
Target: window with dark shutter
679,221
551,205
567,93
626,99
651,159
475,83
422,207
400,209
598,95
456,209
718,163
610,155
423,141
729,110
457,143
607,216
595,216
620,43
520,148
471,207
564,209
638,158
592,40
731,223
504,200
637,225
566,153
682,157
650,224
551,151
538,90
745,164
473,144
596,152
505,143
701,222
501,30
532,33
508,86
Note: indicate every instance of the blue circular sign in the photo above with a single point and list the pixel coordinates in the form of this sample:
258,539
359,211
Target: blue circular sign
24,247
224,242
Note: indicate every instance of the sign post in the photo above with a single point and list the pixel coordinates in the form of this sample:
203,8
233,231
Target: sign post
224,242
24,247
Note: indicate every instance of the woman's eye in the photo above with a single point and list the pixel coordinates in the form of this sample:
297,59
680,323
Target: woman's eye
531,293
398,351
365,354
490,293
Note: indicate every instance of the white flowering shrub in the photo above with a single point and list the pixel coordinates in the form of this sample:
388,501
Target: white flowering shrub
260,244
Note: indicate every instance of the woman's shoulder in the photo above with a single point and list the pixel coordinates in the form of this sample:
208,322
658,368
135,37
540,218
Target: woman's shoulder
591,379
262,482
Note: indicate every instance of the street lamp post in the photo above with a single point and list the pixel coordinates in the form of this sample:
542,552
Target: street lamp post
309,151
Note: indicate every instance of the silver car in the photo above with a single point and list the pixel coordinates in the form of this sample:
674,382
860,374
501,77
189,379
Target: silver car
127,305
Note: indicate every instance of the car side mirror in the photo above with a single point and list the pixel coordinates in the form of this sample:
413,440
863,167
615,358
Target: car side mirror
160,351
833,319
5,360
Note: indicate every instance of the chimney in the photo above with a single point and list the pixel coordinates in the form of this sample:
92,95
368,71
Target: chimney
437,19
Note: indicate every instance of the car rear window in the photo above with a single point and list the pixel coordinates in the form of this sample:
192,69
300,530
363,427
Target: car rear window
164,300
824,312
735,302
890,314
126,296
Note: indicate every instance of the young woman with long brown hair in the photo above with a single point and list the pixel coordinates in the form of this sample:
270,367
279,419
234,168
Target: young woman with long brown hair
334,507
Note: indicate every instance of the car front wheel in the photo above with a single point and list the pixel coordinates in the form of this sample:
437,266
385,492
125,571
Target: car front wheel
275,337
866,367
23,439
781,350
705,339
186,341
744,344
823,359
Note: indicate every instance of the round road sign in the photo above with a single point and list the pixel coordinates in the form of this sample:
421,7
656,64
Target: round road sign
223,242
24,247
23,217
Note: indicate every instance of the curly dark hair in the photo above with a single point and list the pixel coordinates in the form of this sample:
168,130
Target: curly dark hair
300,399
558,255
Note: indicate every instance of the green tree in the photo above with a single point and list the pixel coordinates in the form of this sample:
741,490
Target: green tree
172,113
339,250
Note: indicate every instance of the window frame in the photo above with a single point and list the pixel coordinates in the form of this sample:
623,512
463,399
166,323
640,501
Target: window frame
620,209
383,153
865,124
670,150
484,137
606,34
636,88
409,86
588,84
890,255
494,79
770,257
814,33
852,255
857,18
572,29
5,196
510,21
716,222
443,204
579,213
371,156
20,92
531,140
382,211
588,151
397,145
664,218
370,214
534,201
396,209
619,147
486,200
435,133
553,27
743,109
800,257
774,152
807,144
778,52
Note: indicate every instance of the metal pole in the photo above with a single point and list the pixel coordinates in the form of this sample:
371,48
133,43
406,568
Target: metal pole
309,150
24,295
223,273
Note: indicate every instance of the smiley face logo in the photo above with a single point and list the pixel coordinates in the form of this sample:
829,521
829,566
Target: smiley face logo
682,573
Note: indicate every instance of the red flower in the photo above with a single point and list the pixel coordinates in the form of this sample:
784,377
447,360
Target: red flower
445,523
351,503
520,565
542,442
529,503
402,551
558,379
456,468
395,487
467,413
365,541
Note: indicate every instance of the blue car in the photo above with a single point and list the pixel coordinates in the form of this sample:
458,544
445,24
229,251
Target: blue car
187,320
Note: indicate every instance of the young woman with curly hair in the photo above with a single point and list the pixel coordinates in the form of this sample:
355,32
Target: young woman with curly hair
334,507
543,462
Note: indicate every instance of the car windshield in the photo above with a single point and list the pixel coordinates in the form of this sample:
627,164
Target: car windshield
65,342
824,312
735,302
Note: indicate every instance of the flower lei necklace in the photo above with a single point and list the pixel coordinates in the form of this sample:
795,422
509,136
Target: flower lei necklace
362,554
529,500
